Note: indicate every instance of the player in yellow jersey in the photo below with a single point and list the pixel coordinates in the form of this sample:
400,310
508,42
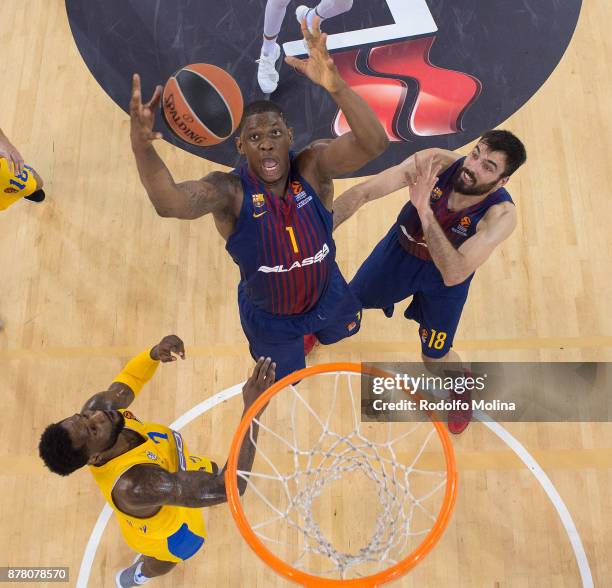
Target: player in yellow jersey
17,180
154,485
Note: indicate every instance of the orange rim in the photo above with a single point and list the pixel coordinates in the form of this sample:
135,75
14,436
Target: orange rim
283,568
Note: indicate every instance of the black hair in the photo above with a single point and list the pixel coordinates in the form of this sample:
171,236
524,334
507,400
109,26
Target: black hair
56,450
260,107
508,144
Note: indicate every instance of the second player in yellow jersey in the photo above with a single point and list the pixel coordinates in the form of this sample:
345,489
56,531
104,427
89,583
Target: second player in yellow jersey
174,533
144,470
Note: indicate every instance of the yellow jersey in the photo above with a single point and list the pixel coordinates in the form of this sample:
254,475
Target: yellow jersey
175,533
14,187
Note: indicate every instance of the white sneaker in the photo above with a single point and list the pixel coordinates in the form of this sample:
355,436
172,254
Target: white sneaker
301,12
267,76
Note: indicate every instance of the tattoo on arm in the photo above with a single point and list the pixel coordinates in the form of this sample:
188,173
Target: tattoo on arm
146,487
203,196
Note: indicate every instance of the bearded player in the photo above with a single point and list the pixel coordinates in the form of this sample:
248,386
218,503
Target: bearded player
458,213
267,76
144,470
274,212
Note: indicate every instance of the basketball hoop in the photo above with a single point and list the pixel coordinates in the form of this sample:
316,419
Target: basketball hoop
291,493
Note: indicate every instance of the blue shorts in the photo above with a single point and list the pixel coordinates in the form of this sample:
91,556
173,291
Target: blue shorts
390,274
336,315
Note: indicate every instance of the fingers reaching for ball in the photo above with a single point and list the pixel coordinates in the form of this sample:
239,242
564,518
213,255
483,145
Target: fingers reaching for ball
142,116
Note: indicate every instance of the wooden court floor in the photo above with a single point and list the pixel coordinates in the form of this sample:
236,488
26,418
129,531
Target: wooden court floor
93,276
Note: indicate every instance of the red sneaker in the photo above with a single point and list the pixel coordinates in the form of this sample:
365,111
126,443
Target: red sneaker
459,419
309,342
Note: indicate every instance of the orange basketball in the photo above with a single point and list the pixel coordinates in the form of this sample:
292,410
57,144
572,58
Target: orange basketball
202,104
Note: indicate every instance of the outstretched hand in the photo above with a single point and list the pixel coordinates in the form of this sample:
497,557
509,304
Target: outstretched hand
263,376
142,116
170,348
421,183
319,67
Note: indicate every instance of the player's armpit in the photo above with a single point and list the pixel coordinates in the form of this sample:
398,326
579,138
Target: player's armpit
496,226
146,487
117,396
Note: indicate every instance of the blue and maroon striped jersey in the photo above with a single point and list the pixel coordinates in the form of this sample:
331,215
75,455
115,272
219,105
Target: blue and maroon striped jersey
283,246
458,226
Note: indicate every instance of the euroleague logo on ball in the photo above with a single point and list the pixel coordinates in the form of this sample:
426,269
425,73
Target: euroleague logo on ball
437,74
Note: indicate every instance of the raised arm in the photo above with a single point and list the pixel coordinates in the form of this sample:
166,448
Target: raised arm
367,138
387,182
146,487
185,200
138,371
456,265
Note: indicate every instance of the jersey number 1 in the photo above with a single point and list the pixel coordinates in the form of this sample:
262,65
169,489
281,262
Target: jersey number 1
292,237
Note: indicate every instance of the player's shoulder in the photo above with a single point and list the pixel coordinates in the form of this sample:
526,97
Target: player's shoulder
226,184
504,208
222,179
502,215
309,154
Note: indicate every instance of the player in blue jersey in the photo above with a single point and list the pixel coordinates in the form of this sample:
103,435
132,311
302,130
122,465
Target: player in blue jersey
458,212
275,212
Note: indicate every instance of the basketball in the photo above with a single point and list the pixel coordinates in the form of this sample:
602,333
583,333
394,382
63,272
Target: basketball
202,104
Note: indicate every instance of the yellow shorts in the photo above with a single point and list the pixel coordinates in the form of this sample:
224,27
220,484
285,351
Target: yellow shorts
189,537
15,187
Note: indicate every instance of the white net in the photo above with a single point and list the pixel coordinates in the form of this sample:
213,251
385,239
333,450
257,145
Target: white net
335,497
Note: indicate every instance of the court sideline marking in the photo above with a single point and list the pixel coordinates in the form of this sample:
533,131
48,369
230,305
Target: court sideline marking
239,349
532,465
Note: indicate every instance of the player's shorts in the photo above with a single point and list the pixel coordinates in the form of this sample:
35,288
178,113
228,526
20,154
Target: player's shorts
14,187
337,315
390,274
187,540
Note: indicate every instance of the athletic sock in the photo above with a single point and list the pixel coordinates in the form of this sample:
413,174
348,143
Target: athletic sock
275,13
139,577
268,46
331,8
